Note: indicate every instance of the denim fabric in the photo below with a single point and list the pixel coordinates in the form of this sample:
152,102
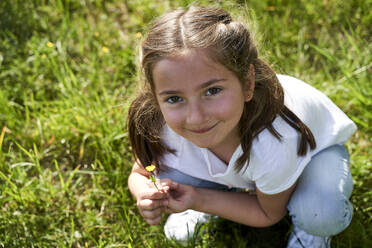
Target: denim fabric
320,203
300,239
183,178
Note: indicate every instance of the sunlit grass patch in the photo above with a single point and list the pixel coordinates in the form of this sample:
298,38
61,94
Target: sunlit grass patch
67,74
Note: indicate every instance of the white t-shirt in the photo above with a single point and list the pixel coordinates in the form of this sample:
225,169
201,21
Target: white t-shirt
274,165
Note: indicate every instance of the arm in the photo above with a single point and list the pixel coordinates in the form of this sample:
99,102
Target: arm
258,210
150,201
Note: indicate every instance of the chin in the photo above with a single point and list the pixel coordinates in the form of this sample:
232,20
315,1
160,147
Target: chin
202,144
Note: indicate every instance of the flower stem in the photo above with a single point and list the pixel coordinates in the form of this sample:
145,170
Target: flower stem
154,181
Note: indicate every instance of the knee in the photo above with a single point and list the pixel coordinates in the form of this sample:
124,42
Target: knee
319,205
326,218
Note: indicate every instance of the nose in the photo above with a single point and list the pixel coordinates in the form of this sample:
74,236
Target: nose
195,113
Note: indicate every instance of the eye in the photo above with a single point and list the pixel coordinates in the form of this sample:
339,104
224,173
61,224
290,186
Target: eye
212,91
173,99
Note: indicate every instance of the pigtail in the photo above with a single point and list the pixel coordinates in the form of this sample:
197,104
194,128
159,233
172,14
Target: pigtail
144,124
259,114
306,135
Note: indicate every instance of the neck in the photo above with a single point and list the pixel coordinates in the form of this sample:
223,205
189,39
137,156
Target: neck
224,152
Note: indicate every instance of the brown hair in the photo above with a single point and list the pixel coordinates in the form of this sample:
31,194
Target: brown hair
228,43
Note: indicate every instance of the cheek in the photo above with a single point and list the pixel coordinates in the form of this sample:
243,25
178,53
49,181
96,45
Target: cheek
230,108
172,117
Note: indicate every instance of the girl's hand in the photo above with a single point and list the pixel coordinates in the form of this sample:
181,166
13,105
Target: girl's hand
181,197
152,202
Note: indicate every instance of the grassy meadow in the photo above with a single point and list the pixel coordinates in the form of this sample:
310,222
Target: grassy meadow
67,75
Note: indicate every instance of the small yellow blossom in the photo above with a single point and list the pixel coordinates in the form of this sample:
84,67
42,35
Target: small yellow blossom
96,34
138,35
104,50
150,168
50,44
43,56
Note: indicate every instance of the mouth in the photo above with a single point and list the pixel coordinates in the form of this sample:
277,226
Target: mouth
203,130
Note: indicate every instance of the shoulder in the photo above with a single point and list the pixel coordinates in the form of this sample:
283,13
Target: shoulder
302,96
287,79
292,85
328,123
274,164
269,149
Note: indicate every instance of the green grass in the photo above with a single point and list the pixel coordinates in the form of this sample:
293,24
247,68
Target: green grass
67,74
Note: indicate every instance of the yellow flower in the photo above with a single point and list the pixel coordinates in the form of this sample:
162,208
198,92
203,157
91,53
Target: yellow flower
150,168
50,44
104,50
138,35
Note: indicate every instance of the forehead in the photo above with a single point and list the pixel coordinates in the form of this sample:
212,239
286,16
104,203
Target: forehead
185,58
194,65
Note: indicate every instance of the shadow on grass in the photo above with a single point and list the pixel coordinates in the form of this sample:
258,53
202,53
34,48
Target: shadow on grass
224,233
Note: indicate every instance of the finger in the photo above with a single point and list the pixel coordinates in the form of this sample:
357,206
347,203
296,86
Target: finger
168,182
147,204
153,222
164,188
152,214
173,185
163,184
158,186
167,210
179,204
153,194
150,183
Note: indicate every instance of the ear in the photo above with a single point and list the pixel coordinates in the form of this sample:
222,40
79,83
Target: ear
249,84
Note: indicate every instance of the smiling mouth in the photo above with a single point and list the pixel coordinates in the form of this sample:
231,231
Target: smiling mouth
204,130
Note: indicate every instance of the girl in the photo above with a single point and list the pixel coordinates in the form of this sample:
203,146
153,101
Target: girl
216,121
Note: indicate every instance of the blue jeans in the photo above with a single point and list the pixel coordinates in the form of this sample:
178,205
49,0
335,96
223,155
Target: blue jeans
320,202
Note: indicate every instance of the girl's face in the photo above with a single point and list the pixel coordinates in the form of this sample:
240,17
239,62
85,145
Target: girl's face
201,100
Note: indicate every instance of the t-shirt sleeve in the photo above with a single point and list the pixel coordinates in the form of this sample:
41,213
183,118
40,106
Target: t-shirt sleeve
277,162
